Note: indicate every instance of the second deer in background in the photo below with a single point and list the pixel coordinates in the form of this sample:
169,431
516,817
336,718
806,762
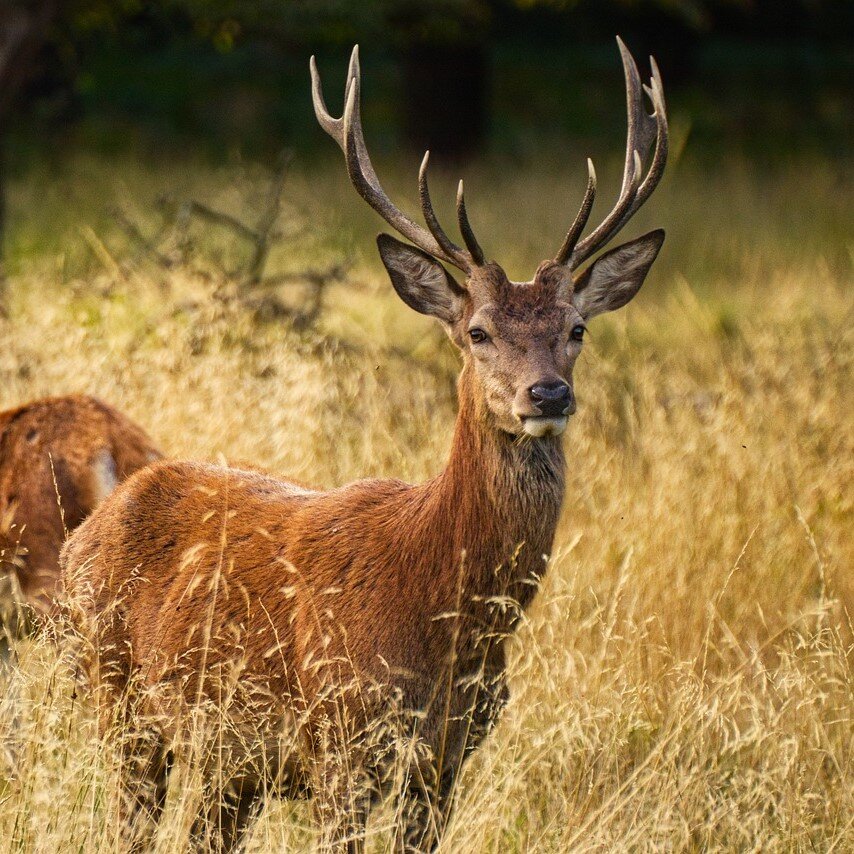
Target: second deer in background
59,458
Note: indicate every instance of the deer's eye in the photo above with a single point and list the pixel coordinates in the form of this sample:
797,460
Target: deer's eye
577,333
478,336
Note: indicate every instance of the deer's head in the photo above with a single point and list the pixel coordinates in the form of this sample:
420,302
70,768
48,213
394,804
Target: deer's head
519,339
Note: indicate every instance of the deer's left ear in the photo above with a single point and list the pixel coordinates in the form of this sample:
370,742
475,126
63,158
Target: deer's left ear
615,277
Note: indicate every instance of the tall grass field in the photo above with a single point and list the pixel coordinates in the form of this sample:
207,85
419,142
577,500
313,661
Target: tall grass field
684,681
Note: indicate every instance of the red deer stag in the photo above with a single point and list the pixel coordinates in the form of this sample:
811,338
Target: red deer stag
191,576
59,458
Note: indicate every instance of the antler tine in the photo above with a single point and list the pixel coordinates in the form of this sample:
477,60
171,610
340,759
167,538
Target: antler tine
580,218
334,127
354,82
448,246
656,129
619,214
465,227
643,129
347,132
659,158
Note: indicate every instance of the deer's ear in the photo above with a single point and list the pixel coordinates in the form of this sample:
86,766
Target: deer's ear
615,277
420,280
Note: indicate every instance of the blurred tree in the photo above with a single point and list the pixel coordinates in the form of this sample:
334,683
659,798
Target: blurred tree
23,30
441,46
443,49
27,28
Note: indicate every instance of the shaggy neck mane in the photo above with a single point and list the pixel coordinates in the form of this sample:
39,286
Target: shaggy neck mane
497,503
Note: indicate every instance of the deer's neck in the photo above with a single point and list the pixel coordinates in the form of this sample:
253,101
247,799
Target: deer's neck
498,502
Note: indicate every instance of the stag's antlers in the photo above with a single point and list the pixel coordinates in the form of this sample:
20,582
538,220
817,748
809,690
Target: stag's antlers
347,132
643,129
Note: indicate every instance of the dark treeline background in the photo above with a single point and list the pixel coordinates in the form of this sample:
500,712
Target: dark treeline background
459,76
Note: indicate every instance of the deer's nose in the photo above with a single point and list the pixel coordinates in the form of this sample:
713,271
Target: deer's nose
553,398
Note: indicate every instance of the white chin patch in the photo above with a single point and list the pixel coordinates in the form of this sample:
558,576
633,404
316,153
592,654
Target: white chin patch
539,427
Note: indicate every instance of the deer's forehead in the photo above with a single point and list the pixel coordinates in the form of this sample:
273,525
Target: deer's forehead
522,318
551,283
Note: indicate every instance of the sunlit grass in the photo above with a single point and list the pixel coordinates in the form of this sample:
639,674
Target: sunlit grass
684,680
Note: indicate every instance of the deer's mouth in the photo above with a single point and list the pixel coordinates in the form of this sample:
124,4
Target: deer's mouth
539,426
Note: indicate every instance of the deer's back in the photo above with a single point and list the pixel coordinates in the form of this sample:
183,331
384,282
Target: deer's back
178,570
194,569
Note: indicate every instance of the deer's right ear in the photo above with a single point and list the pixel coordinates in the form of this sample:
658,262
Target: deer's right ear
420,280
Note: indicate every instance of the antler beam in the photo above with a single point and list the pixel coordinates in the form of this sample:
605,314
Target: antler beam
347,132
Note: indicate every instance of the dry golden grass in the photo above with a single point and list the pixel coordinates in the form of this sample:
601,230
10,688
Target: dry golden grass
684,681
